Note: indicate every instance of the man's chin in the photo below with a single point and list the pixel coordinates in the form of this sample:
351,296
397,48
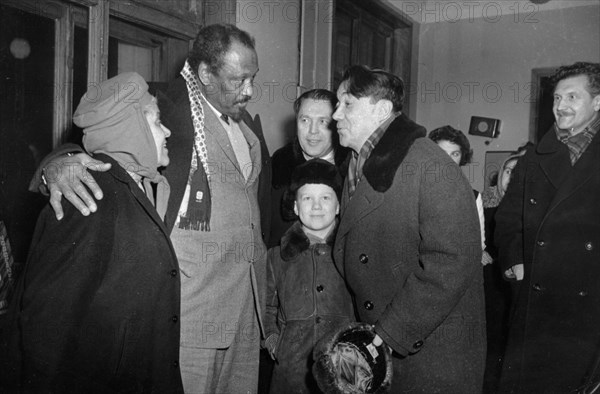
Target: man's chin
564,125
237,111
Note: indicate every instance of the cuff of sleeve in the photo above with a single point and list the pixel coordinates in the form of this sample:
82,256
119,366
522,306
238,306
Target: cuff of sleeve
410,345
36,185
271,341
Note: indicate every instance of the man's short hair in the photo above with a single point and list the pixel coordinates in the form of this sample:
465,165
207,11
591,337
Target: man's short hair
592,70
376,84
213,42
315,94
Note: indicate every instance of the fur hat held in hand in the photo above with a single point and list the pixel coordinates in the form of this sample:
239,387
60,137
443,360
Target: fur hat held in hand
347,362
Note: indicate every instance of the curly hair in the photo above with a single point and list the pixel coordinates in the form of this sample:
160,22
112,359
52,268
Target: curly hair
450,134
213,42
363,81
592,70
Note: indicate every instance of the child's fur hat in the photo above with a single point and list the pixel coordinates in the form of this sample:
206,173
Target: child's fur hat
314,171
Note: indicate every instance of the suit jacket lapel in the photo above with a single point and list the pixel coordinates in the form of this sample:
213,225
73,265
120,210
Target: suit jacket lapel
255,151
554,160
176,115
587,166
213,126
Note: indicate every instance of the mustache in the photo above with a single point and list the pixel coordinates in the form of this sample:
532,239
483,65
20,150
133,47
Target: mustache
243,101
563,113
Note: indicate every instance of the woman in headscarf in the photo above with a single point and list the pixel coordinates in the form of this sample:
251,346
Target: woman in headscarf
97,306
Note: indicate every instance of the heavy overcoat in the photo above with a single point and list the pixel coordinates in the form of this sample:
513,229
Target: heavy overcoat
409,247
306,299
97,306
549,220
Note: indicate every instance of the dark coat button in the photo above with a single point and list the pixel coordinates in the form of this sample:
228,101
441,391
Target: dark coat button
173,273
368,305
321,251
175,364
418,344
252,226
532,201
363,258
175,319
318,319
537,287
320,288
541,243
589,245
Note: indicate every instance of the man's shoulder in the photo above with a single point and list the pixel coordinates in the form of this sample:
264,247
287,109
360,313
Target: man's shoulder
391,151
283,162
284,154
171,96
424,149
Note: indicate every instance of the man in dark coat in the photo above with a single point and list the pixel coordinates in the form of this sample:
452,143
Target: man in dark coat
220,177
548,237
315,138
409,241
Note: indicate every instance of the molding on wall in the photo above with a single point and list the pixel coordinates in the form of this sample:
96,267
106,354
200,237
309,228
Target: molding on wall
315,46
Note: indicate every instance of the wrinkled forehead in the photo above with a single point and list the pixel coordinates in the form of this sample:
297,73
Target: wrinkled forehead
572,84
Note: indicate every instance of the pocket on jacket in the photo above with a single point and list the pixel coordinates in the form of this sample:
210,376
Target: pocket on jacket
122,348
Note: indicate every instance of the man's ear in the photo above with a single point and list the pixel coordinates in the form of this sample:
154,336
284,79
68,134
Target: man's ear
596,103
385,108
295,208
204,73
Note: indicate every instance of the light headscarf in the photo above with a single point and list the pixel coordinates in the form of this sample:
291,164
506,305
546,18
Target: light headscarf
111,114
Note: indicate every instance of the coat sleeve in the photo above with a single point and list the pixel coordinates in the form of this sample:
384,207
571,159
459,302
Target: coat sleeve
35,184
272,309
449,260
508,234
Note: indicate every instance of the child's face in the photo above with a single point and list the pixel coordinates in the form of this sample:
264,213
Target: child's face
316,205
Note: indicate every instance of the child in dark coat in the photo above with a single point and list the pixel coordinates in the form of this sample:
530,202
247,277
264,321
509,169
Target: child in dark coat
306,296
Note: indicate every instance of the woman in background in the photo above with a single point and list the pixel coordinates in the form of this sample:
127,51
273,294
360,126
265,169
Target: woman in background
497,290
457,146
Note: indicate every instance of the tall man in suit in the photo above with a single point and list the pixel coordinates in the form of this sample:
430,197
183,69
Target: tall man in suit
548,238
220,183
408,241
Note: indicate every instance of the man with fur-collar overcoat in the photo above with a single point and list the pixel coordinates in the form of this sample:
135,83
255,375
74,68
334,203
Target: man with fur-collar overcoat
409,243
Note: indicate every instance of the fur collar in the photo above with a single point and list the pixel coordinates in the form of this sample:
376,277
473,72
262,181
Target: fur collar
381,166
294,241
